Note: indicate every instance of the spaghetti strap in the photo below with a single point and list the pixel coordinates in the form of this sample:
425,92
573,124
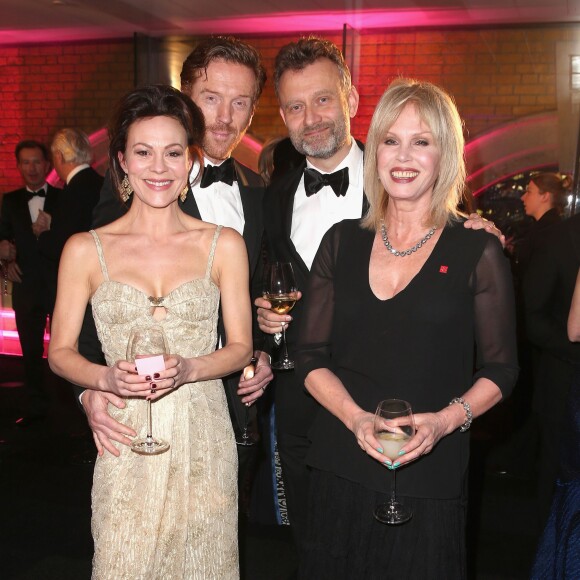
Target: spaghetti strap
212,251
100,254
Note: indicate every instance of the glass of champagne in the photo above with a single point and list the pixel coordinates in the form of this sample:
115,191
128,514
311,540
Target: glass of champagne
280,291
394,426
147,346
247,437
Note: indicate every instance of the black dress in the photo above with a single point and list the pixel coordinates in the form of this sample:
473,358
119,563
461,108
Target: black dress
417,346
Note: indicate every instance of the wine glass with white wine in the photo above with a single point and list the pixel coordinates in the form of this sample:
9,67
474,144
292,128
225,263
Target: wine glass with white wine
281,292
146,348
394,426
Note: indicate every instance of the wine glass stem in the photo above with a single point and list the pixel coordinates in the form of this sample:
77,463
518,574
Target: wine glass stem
246,421
149,430
285,347
394,487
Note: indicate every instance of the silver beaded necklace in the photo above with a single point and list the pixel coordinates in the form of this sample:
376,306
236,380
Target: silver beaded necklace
403,253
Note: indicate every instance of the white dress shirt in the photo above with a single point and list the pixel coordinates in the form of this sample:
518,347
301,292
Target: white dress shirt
313,216
219,203
36,203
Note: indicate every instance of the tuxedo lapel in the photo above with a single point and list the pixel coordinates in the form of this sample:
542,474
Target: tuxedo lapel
21,211
251,197
189,206
287,203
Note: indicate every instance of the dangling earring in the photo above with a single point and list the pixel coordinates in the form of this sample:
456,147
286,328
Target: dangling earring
183,193
126,189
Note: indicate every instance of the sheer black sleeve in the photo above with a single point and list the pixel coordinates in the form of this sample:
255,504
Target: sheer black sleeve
314,337
495,322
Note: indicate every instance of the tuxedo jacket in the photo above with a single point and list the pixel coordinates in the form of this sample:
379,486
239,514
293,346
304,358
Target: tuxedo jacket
278,214
16,225
74,214
110,207
295,408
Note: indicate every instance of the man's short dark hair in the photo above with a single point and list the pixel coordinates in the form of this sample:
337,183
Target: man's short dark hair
224,48
298,55
31,144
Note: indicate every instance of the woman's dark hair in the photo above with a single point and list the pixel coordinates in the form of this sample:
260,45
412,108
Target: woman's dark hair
147,102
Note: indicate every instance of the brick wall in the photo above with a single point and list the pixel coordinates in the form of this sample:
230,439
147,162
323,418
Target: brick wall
46,87
496,75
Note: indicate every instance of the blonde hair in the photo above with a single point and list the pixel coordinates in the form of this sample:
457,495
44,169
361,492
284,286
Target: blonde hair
73,144
437,109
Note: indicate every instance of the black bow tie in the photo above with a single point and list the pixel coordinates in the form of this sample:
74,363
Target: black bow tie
31,194
224,172
314,181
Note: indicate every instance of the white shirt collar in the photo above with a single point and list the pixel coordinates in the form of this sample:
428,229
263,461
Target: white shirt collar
76,170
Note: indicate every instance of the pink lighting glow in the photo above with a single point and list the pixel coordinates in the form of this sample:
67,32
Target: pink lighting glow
9,343
300,22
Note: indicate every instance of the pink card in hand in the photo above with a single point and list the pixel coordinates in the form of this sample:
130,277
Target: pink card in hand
150,364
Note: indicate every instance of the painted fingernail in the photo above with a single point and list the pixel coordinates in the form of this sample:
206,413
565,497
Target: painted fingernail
156,375
402,452
387,462
153,386
396,464
148,378
380,449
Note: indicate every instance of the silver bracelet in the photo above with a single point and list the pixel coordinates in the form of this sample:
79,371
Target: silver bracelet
468,413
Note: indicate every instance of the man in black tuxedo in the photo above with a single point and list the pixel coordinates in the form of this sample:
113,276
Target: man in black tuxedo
71,156
225,78
317,101
20,224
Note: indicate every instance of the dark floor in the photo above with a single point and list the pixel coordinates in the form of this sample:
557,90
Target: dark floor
45,505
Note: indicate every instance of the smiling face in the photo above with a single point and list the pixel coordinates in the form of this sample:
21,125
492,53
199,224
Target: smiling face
225,96
317,113
408,158
156,160
33,167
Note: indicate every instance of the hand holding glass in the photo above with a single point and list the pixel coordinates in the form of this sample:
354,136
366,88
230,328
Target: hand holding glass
281,292
150,343
393,427
247,437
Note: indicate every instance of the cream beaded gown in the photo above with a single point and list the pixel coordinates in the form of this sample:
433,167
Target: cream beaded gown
174,515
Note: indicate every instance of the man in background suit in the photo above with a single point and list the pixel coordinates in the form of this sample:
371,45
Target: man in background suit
71,156
20,225
225,78
548,287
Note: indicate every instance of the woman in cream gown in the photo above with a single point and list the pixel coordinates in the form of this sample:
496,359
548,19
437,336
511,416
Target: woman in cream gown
173,515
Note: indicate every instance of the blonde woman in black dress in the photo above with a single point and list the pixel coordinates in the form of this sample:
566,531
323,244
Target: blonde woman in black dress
395,305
